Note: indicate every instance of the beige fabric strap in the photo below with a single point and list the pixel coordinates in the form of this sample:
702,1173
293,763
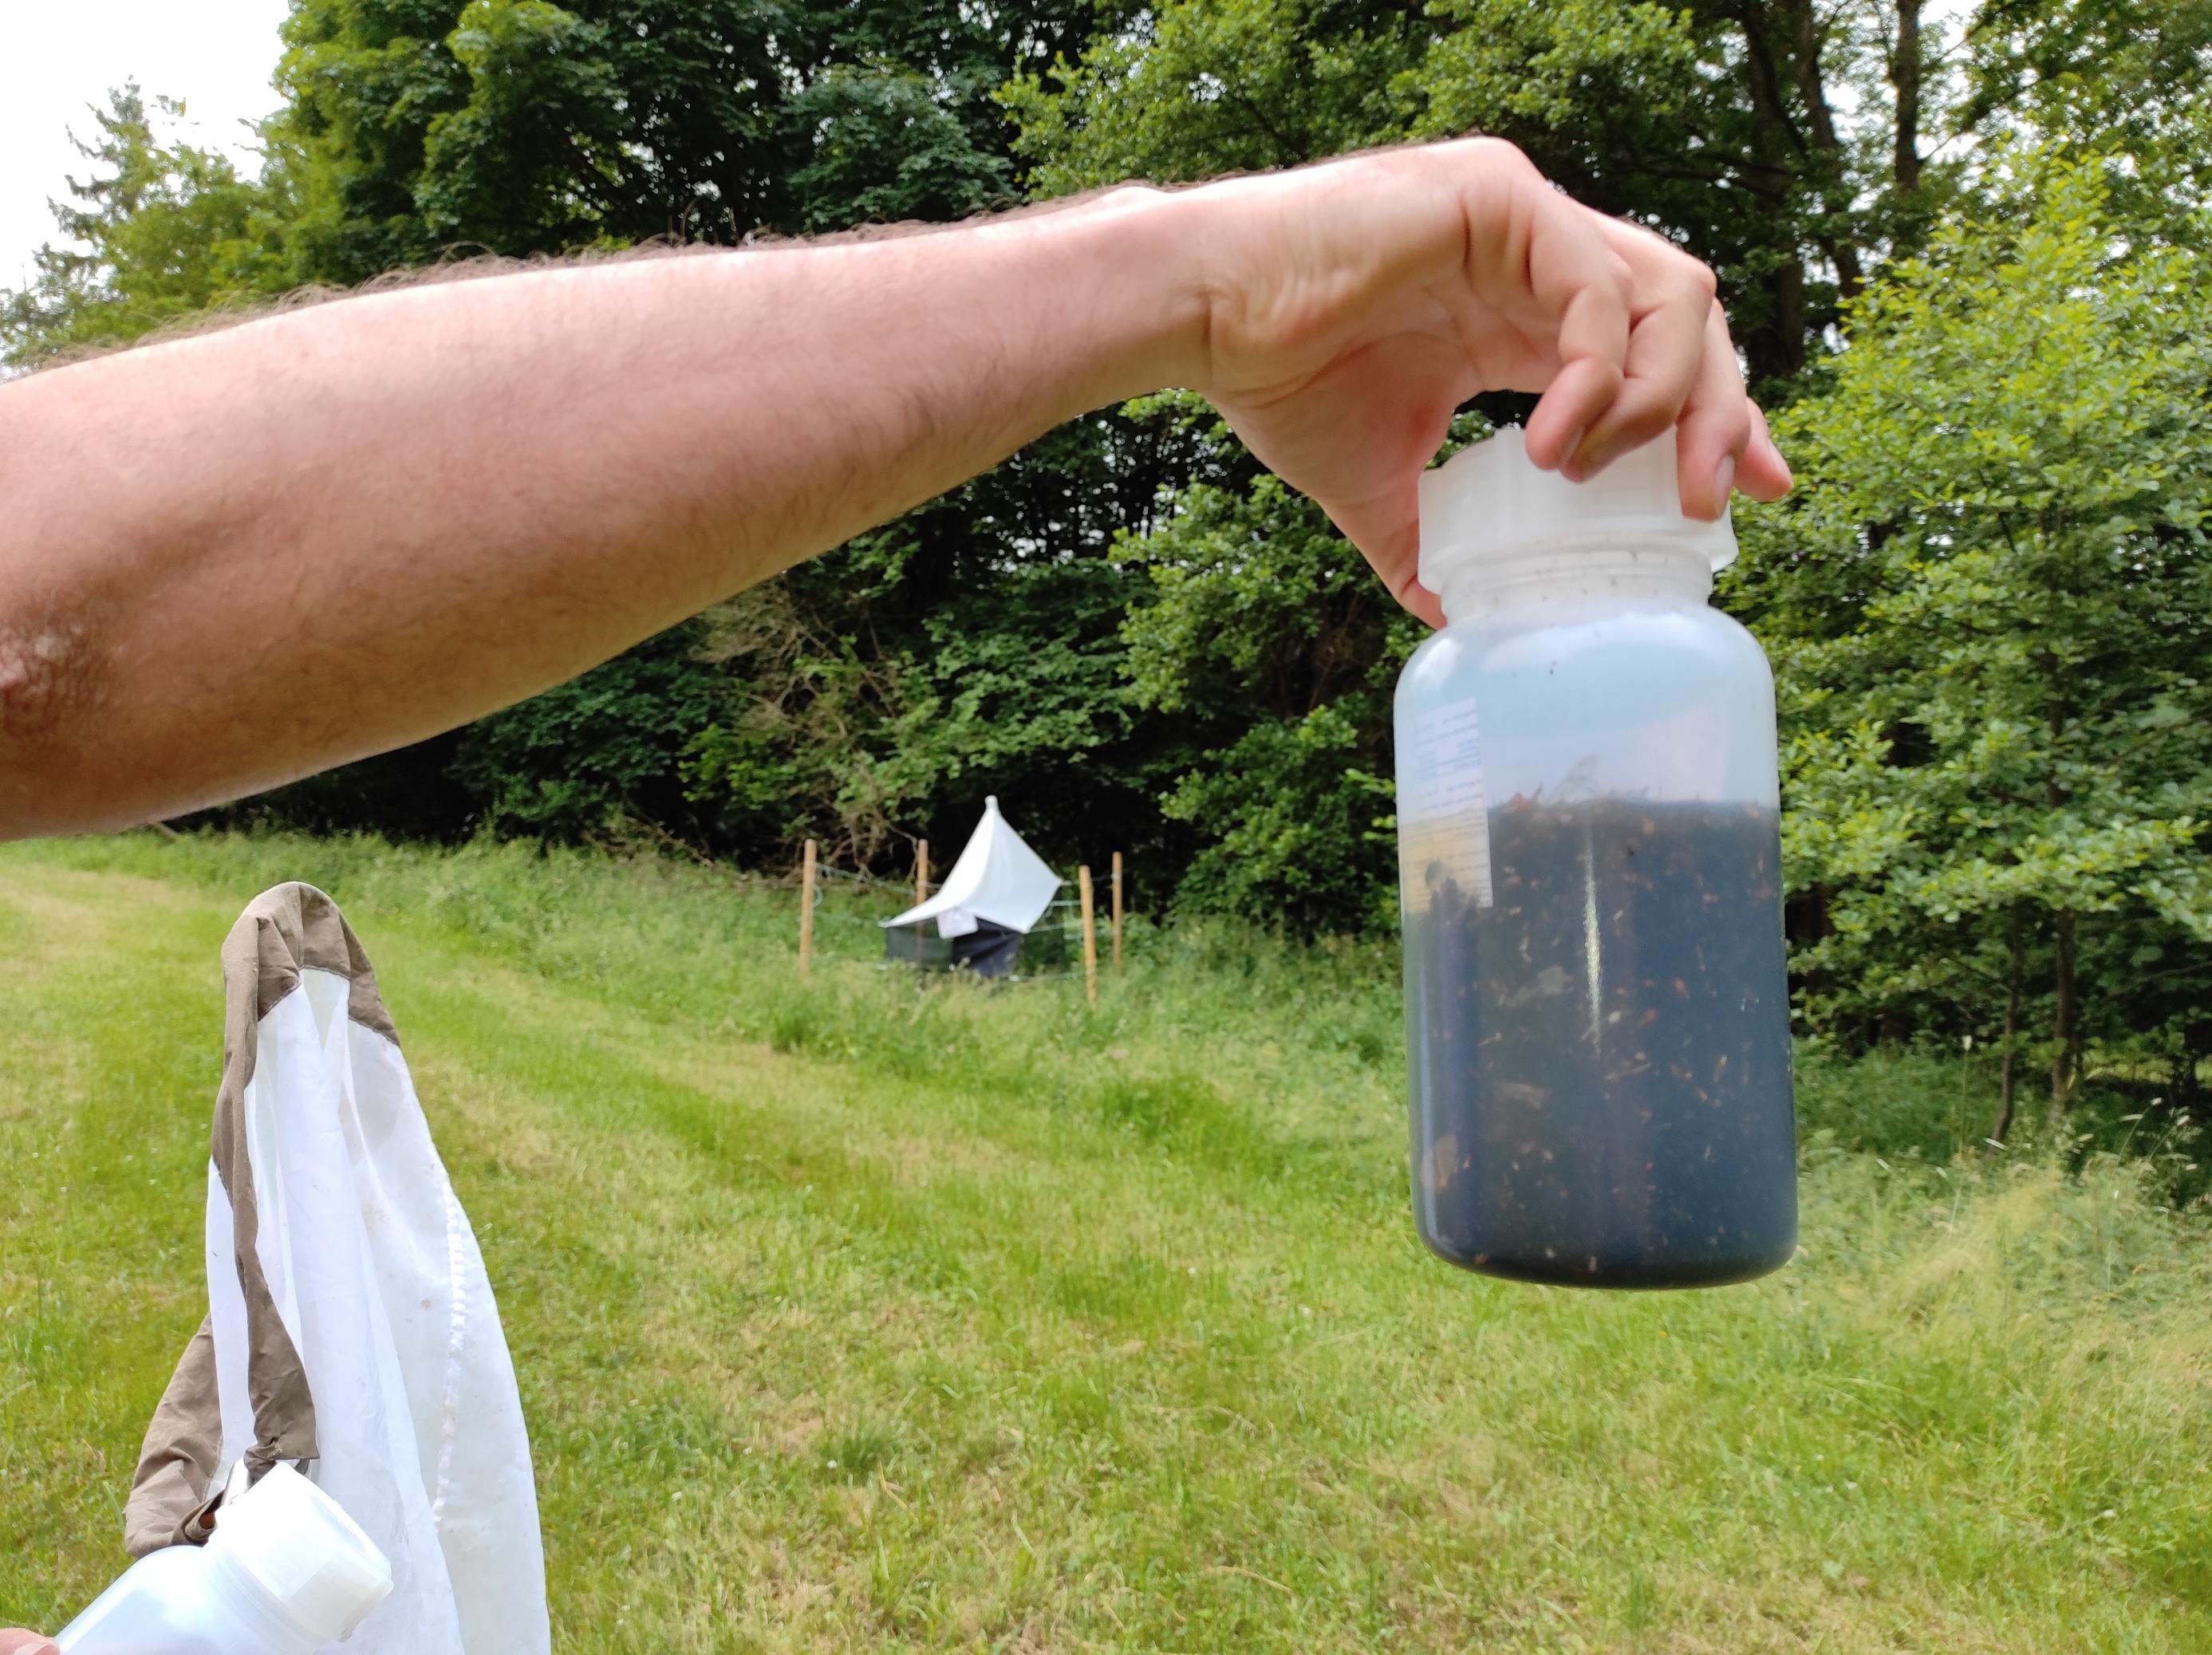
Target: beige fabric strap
283,932
183,1454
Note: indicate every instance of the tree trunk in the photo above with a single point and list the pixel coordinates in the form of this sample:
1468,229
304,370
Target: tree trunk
2065,1021
1776,350
2066,1016
1905,74
1805,43
2005,1066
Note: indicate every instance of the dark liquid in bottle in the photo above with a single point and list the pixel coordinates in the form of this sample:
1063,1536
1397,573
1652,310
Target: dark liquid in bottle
1601,1057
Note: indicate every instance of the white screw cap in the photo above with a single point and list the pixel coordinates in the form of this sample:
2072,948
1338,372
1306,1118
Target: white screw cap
305,1553
1491,501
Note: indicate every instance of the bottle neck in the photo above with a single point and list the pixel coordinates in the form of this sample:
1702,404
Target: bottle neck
255,1608
1614,571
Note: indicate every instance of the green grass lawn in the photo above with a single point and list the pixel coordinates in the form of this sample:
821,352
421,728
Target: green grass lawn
878,1316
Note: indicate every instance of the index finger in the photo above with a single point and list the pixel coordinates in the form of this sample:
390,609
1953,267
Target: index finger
1556,253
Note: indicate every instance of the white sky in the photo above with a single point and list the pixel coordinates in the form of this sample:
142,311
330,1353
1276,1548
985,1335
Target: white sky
61,55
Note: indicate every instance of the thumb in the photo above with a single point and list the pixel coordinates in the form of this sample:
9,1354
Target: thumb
18,1642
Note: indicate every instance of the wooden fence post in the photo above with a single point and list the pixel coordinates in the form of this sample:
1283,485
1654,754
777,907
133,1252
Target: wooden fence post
1090,937
921,870
1117,913
806,911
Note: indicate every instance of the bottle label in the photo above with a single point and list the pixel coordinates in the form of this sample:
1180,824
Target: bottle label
1443,814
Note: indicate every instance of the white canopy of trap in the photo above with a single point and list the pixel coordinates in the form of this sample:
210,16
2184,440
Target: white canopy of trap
998,881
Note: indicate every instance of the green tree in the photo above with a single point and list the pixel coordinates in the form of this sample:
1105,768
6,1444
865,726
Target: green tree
1990,608
1718,125
1793,146
523,126
603,751
156,232
1797,148
1273,650
972,647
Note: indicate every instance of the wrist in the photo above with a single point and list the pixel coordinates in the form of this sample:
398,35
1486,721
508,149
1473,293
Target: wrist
1137,275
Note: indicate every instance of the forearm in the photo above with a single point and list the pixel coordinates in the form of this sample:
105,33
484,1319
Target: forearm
229,560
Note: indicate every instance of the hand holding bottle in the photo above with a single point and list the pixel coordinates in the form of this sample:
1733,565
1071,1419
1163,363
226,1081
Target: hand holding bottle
1352,307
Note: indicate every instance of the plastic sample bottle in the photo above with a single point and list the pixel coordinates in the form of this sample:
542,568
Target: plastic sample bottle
1597,1007
285,1573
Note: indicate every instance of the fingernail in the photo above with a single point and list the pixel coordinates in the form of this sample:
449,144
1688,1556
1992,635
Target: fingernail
1724,480
1567,448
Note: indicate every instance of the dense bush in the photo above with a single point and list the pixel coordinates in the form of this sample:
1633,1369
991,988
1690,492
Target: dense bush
1990,608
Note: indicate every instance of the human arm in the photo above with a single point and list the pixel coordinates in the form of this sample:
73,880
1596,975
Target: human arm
229,560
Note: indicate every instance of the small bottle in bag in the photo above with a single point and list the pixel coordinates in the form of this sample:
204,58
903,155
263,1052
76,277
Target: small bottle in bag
1597,1005
285,1573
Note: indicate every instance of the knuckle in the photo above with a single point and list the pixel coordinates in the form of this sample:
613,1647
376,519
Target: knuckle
1701,281
1504,153
1674,273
